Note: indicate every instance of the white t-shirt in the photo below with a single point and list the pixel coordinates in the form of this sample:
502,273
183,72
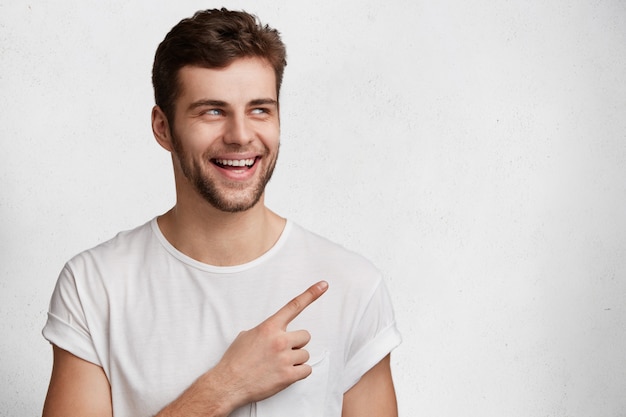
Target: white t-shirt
155,319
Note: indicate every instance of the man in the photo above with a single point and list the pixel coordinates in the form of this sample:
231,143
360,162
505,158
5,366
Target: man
150,323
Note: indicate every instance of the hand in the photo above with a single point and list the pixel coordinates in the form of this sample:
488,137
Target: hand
267,359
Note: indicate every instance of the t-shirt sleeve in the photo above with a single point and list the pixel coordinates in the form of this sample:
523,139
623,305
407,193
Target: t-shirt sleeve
67,325
375,336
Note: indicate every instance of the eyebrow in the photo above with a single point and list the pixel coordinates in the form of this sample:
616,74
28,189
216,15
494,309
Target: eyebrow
208,103
263,102
220,103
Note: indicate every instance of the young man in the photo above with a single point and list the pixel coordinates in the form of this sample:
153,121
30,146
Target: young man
150,322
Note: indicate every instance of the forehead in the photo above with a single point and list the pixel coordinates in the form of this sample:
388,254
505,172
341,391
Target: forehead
243,80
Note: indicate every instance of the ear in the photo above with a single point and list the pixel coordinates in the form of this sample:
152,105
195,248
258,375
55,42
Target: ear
161,129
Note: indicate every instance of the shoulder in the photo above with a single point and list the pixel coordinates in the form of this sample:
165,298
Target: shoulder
334,259
123,248
322,246
87,282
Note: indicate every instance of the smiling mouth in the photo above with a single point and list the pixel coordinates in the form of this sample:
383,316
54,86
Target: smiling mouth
235,163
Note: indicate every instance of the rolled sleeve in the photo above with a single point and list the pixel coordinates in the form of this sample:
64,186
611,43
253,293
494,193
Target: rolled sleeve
375,336
67,326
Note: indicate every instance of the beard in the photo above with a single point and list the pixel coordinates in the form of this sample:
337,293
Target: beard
226,196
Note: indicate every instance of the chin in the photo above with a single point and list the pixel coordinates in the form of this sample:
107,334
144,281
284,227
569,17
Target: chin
231,205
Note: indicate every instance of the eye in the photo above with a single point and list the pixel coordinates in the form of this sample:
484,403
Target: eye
259,110
212,112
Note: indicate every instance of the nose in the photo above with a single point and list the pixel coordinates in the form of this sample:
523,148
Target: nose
238,131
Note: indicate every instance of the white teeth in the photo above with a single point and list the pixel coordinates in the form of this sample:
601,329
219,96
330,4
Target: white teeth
235,162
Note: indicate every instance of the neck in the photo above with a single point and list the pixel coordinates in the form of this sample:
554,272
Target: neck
218,238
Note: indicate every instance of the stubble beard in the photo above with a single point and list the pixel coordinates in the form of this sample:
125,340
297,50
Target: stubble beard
232,198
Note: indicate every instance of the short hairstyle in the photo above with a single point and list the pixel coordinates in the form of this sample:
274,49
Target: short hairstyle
212,39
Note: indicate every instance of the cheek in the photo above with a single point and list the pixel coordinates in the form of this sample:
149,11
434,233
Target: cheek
271,137
194,141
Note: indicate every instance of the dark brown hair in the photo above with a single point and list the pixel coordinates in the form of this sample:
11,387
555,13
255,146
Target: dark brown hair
212,39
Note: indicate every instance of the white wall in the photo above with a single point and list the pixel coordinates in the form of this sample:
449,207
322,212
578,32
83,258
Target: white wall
475,151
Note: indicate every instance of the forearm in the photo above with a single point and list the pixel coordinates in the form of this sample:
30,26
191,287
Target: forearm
206,397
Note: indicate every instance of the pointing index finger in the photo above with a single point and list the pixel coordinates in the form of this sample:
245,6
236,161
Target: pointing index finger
293,308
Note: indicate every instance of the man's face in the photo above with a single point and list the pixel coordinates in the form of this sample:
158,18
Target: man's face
226,130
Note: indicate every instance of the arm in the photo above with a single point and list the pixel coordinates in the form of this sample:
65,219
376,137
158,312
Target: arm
259,363
77,388
373,395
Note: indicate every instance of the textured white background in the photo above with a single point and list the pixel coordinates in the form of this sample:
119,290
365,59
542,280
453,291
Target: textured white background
475,151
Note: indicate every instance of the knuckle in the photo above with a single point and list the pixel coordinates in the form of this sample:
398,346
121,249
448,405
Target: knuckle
305,356
265,329
280,344
296,304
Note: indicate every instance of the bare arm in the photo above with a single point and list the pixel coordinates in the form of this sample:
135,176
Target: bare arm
77,388
374,394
